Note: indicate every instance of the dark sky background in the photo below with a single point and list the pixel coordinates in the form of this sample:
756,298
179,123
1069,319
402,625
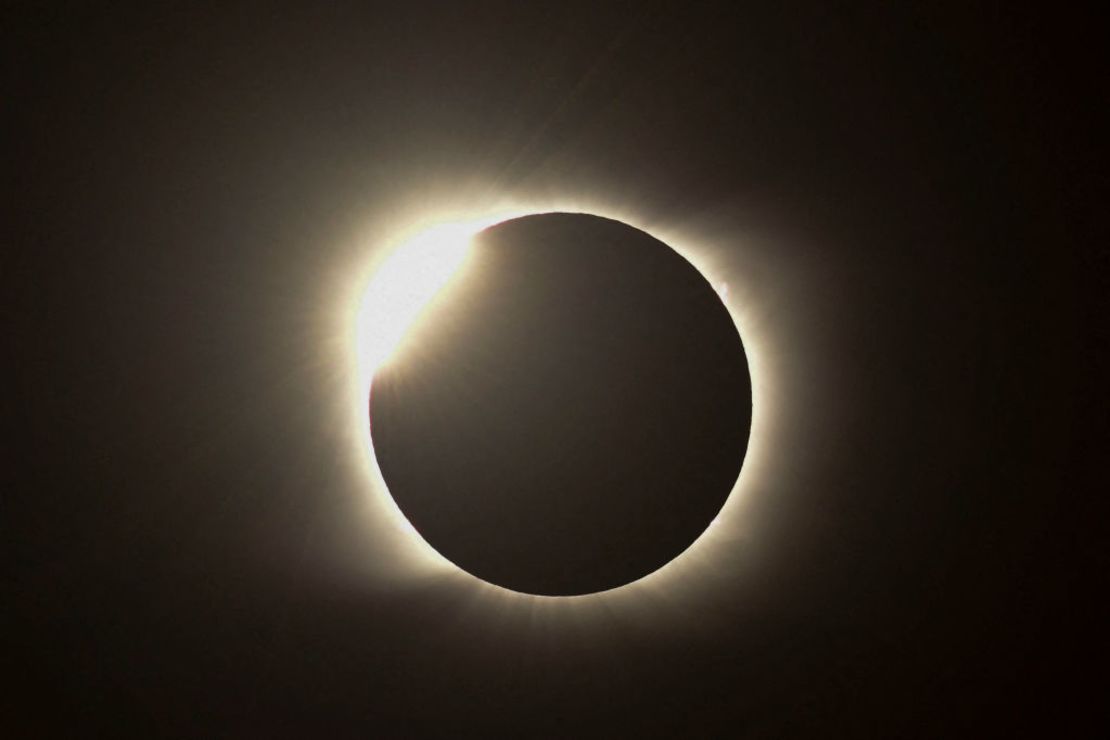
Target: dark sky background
896,192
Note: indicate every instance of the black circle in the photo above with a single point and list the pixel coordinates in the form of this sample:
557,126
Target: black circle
570,412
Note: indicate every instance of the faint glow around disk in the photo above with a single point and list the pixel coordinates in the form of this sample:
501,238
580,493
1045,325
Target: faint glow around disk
423,261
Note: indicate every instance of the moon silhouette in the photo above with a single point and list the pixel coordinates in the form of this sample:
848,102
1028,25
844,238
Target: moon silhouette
570,412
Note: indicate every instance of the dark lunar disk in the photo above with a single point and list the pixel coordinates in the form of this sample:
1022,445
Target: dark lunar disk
570,413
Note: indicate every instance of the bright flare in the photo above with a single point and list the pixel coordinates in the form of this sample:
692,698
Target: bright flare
401,288
423,261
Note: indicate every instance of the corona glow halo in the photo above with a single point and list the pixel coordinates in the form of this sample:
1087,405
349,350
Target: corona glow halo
405,278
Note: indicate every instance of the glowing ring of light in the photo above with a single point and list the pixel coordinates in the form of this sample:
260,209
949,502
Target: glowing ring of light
407,274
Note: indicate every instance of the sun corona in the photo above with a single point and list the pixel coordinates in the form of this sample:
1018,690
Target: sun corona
425,259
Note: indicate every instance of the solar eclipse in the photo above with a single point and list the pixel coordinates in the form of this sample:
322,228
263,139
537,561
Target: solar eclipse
560,406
